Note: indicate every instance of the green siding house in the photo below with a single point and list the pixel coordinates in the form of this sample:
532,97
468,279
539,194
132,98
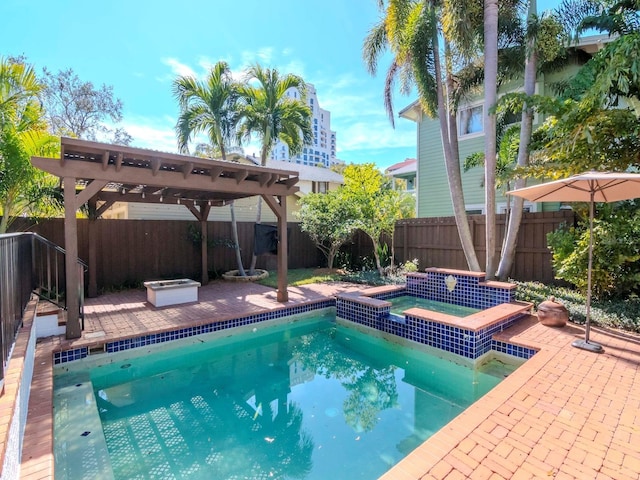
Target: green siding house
433,198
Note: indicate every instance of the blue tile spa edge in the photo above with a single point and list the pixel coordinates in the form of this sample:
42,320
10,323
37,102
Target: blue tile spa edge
468,291
155,338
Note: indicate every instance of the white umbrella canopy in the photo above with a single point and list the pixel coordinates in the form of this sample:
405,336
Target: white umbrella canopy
586,187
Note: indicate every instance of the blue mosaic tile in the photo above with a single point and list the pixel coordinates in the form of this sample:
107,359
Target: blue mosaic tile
70,355
468,291
460,341
515,350
142,341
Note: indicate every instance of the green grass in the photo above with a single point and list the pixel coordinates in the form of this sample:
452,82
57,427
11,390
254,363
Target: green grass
299,276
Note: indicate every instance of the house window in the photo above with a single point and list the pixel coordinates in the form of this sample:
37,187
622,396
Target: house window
320,187
470,120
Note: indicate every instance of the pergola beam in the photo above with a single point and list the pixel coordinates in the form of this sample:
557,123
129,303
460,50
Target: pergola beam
140,176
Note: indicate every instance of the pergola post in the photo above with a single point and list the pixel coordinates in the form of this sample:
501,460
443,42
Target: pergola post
283,252
279,207
72,300
92,289
204,255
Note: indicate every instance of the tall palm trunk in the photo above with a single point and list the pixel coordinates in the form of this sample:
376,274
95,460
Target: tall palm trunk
508,256
490,96
449,137
234,227
263,161
236,243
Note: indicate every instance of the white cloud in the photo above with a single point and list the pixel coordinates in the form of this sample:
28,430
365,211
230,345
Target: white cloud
263,56
179,68
152,133
295,67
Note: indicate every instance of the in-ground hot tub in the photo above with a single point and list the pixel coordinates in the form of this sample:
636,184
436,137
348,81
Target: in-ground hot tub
161,293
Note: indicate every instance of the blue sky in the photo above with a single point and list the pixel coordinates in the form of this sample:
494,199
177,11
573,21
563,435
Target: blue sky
140,46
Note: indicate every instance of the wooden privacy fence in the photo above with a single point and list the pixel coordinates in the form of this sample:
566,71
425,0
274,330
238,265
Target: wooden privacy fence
435,242
131,251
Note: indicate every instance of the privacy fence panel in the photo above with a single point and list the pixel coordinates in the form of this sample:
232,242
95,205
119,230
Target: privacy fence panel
132,251
435,242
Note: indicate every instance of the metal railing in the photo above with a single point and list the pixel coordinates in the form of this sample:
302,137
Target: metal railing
29,264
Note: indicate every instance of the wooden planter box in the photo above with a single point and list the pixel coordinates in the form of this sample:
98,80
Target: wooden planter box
161,293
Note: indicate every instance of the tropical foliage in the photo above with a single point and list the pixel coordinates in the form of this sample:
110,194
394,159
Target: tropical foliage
268,113
409,30
23,133
210,107
594,124
616,251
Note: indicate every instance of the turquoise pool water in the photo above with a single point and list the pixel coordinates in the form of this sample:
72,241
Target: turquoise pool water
405,302
311,400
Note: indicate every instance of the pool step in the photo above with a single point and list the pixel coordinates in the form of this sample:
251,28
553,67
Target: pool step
80,446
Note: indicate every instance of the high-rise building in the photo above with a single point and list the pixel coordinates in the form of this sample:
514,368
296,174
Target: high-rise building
322,150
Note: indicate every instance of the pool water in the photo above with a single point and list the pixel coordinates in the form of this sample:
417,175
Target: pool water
405,302
308,400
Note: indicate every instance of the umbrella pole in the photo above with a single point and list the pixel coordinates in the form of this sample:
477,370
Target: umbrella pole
586,344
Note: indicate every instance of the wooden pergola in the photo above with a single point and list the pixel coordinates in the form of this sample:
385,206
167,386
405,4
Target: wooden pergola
100,174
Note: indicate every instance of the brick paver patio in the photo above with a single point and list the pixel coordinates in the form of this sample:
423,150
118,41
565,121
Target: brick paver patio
564,414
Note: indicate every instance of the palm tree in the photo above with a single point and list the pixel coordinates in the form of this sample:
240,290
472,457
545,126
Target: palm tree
23,133
210,107
410,30
268,113
490,97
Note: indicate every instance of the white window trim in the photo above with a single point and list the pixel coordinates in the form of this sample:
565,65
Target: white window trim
480,103
470,106
501,207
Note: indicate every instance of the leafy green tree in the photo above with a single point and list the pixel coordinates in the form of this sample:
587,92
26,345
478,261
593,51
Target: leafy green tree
76,108
211,108
376,206
328,220
594,124
616,255
23,133
269,114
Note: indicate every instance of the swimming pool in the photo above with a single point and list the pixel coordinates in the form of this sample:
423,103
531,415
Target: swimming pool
309,399
405,302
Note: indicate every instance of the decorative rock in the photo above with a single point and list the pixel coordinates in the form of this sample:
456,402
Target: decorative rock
552,313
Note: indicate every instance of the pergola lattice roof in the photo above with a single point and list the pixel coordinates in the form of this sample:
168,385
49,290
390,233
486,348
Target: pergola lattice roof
150,176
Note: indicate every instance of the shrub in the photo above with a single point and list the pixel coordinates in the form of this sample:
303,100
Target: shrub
616,251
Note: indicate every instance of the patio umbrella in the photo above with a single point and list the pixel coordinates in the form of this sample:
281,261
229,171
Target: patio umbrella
586,187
